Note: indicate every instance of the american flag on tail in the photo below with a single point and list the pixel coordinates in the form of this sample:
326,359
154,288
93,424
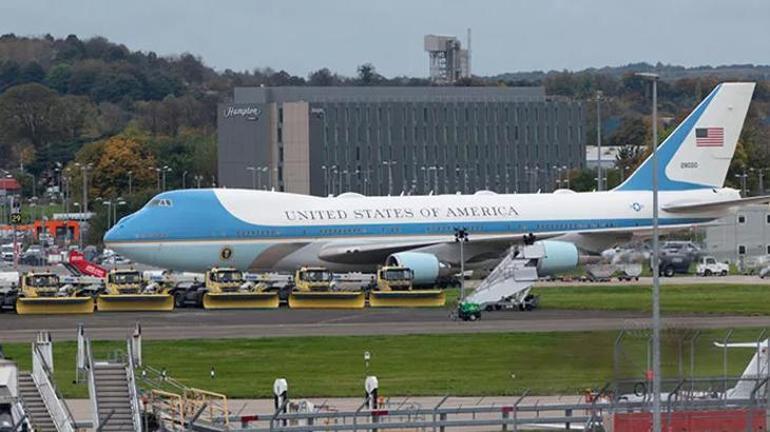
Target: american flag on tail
710,137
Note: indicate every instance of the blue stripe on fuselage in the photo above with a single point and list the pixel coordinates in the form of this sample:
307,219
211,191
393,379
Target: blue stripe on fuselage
198,215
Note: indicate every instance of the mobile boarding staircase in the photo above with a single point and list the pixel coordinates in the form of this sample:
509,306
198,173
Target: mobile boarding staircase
42,407
111,387
510,282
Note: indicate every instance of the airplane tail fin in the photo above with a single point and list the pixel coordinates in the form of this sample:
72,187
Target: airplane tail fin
698,152
756,370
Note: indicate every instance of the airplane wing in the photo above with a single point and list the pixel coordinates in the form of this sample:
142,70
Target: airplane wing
379,250
692,207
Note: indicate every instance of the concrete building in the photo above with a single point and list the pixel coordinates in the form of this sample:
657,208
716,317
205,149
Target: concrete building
743,234
380,140
448,61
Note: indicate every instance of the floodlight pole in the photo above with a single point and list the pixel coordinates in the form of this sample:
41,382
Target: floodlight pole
461,236
656,378
599,179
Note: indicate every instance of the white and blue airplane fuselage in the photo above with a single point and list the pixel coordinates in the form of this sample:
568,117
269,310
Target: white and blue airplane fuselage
196,229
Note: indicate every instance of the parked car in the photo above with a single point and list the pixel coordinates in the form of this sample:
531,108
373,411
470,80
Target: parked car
116,260
709,266
34,256
6,252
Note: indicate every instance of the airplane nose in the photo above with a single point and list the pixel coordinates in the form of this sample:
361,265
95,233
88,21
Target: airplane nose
117,232
112,234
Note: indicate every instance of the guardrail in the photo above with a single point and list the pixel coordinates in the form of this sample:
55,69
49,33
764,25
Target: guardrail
135,413
53,400
511,417
89,367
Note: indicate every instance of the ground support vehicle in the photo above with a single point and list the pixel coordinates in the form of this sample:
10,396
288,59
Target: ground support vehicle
42,293
226,288
709,266
314,288
394,288
126,290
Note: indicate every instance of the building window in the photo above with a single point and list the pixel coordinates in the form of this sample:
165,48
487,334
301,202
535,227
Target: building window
280,115
767,218
741,249
741,219
280,134
767,249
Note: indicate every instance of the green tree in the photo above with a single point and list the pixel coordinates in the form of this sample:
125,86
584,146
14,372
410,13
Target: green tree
323,78
367,75
32,72
30,113
58,77
633,130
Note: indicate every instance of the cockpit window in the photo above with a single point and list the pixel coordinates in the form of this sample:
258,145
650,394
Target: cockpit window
160,202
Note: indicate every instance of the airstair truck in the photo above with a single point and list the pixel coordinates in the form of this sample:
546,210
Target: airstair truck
127,291
43,293
226,288
314,288
394,288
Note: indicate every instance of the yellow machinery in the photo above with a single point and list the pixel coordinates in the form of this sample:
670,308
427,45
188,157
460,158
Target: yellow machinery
125,291
42,293
313,289
394,289
227,289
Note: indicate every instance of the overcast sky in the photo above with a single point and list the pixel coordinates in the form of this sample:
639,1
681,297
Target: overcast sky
508,36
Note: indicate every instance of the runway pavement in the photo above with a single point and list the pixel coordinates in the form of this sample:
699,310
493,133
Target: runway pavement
193,324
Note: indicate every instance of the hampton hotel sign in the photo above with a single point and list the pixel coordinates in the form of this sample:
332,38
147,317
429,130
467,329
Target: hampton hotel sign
248,112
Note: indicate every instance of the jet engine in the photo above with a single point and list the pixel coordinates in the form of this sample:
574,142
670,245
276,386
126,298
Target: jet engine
426,267
557,257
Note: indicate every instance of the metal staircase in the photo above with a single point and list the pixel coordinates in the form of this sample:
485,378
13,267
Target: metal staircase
33,404
113,398
511,280
112,389
42,403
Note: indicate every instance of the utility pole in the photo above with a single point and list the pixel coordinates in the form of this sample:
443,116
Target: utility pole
742,177
326,179
600,179
390,164
253,170
461,236
130,182
15,220
84,171
656,378
166,169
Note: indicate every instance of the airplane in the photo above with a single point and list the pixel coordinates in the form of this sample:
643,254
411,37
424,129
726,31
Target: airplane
253,230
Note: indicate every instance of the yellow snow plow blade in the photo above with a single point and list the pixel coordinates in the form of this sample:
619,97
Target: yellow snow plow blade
407,299
54,305
241,300
134,302
328,300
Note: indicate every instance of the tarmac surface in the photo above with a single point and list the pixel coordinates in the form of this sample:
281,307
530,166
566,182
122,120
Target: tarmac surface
198,324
